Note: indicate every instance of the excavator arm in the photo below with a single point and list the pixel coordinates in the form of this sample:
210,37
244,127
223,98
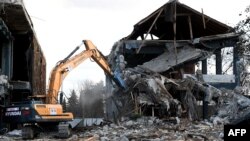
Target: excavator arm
63,67
61,70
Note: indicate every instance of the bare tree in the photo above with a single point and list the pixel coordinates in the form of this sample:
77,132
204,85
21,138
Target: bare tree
243,49
243,27
91,98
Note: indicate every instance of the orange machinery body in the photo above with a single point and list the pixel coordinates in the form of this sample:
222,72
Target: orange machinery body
51,112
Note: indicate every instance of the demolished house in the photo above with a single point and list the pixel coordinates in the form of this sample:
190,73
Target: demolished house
22,63
157,62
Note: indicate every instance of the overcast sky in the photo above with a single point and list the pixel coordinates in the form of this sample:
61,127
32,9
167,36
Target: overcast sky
61,25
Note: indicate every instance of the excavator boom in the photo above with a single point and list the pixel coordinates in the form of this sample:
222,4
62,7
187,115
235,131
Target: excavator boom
64,66
60,71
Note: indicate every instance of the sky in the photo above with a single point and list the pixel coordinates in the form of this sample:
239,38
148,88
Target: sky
61,25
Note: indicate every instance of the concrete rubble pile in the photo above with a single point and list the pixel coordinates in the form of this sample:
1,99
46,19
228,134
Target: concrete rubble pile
172,97
178,97
154,129
233,107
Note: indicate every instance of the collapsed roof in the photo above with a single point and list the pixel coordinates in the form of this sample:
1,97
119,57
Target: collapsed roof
174,25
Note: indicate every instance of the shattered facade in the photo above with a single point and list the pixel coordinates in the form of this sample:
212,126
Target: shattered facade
157,62
22,63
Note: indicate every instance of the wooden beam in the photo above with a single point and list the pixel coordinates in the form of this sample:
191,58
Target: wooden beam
174,27
190,27
203,19
183,14
153,112
152,38
138,50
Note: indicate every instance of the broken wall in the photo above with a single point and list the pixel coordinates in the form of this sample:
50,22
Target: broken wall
166,44
22,59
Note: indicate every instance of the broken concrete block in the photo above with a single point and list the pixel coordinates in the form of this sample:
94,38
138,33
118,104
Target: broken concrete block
123,138
104,139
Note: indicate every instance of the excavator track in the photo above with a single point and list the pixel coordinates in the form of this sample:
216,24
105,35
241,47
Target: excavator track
64,130
28,132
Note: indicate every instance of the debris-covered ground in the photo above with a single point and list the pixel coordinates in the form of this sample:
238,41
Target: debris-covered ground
146,129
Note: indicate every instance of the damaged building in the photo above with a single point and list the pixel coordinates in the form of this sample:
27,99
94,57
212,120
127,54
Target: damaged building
22,63
157,62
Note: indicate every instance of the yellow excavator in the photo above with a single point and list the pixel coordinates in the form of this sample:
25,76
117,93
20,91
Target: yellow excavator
46,113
